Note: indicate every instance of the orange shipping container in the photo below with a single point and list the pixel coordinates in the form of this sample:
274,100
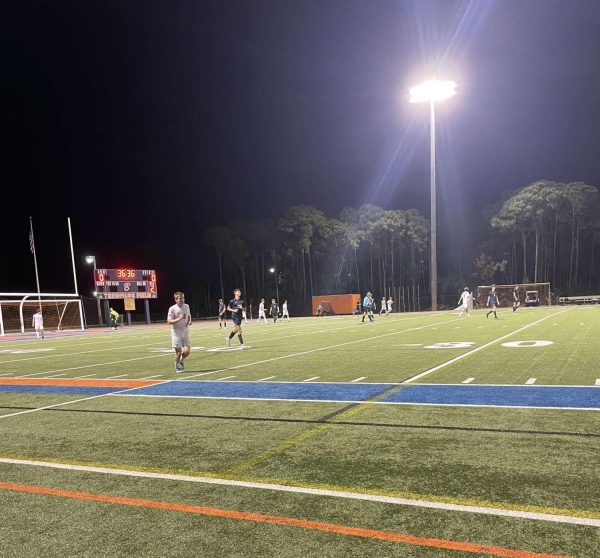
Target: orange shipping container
336,304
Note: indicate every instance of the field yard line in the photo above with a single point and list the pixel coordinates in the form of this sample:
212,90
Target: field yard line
573,517
338,529
334,346
69,402
62,355
476,349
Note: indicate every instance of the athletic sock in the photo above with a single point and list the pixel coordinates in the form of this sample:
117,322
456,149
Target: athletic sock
241,340
231,335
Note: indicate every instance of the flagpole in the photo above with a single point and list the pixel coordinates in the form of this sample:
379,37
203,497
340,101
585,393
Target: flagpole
32,249
72,255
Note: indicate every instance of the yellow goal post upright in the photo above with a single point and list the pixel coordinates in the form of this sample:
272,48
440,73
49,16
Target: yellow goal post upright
505,294
59,310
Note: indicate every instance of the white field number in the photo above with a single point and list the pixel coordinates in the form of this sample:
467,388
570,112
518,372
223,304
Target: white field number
468,344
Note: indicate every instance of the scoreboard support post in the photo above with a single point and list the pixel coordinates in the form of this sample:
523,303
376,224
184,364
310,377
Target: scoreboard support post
147,309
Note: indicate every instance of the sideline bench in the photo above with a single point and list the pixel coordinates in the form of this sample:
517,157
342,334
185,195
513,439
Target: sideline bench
585,299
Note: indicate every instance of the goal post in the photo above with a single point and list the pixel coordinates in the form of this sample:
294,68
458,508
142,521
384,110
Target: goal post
59,310
505,294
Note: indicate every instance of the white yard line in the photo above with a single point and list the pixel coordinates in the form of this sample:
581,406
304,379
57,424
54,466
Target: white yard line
86,376
119,376
468,380
417,501
225,378
311,379
477,349
150,377
531,381
360,379
267,378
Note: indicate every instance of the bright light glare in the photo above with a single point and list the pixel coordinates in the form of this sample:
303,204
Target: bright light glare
90,259
272,270
432,91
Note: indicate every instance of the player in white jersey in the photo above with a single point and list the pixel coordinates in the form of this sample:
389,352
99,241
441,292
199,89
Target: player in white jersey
390,302
261,312
284,312
38,324
465,303
382,307
180,318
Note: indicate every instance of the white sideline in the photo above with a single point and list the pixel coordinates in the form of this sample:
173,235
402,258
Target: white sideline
421,503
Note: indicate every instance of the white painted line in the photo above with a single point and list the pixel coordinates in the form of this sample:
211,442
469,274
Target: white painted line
150,377
477,349
360,379
8,374
56,376
120,376
336,493
531,381
311,379
267,378
86,376
598,381
468,380
225,378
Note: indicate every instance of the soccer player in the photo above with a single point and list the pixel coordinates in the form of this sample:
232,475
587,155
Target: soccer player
382,308
261,312
236,306
319,313
390,302
492,302
274,310
516,301
38,324
180,318
367,307
466,300
285,313
114,318
222,320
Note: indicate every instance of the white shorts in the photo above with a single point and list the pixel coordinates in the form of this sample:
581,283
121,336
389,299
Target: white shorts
261,315
179,341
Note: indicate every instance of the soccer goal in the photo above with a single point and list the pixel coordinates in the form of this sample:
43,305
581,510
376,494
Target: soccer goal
530,294
60,311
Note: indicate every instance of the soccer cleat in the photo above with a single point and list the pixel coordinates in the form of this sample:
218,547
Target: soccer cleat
243,346
228,341
178,368
182,365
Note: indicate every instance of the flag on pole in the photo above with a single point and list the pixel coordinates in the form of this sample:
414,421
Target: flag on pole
31,243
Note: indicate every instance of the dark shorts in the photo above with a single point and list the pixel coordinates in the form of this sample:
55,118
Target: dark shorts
237,320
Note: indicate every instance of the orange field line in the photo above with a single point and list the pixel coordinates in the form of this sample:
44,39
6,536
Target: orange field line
289,521
66,382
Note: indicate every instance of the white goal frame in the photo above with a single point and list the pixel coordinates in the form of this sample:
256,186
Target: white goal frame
22,298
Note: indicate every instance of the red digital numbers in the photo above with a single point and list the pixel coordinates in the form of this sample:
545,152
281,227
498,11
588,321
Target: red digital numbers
125,273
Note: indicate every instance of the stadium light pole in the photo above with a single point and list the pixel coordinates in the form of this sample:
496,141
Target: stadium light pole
431,92
272,270
92,260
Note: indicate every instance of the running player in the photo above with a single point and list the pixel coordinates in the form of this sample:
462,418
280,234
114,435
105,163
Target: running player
390,302
38,324
180,318
464,301
261,312
492,302
382,308
236,306
222,317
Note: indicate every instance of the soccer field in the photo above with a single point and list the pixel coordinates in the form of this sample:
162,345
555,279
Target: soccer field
418,435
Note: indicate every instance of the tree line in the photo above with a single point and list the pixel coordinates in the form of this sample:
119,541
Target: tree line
543,232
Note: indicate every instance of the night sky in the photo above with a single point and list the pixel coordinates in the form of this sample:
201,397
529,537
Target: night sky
146,122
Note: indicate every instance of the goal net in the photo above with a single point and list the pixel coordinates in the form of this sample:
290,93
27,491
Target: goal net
530,294
16,312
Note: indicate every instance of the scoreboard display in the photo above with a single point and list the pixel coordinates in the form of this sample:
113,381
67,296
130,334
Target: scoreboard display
125,283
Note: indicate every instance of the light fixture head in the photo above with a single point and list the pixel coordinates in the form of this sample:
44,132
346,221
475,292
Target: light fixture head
432,91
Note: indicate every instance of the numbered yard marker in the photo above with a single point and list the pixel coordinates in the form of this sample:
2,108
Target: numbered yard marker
527,344
451,345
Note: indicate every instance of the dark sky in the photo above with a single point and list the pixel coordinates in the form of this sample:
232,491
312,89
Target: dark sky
148,121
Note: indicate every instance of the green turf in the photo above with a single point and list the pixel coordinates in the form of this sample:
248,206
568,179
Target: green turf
509,457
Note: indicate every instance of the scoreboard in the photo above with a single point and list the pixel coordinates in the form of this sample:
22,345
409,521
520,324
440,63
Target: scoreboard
125,283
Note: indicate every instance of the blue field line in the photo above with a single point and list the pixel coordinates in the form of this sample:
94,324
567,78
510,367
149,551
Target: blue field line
555,397
505,396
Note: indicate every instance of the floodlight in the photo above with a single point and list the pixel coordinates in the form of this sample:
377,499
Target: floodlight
432,91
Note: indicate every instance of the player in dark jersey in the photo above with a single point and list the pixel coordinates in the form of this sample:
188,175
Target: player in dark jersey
492,302
236,306
516,301
274,310
222,320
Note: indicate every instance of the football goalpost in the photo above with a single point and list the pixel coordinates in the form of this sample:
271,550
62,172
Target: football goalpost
525,291
59,310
